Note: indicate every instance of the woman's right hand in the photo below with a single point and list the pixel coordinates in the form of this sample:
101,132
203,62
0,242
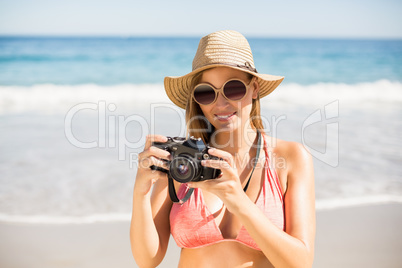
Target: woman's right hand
151,155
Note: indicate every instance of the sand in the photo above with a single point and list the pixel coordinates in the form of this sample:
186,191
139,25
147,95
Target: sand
363,236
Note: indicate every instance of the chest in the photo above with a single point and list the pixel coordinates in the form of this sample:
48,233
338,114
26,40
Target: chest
228,223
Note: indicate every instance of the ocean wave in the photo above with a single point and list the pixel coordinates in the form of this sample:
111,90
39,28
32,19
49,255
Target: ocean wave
378,92
45,219
51,98
321,205
335,203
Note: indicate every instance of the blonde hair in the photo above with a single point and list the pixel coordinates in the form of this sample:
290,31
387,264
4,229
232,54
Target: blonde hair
199,126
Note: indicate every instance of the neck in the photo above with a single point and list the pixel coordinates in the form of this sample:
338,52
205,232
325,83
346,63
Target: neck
234,142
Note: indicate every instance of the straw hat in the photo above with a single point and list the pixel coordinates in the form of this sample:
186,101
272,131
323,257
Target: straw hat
223,48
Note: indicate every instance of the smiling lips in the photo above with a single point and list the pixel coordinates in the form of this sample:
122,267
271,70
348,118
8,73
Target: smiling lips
226,117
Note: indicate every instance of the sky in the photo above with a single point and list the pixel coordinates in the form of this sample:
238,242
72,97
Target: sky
280,18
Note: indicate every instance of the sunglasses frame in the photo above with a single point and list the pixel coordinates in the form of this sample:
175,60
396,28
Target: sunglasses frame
221,90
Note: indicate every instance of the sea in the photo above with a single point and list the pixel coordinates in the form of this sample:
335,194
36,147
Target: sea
75,111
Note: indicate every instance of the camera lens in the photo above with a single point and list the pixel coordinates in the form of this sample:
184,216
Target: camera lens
183,169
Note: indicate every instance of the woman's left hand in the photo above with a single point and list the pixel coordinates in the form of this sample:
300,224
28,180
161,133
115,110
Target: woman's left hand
227,185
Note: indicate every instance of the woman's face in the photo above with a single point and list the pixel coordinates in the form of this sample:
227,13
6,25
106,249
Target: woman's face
224,114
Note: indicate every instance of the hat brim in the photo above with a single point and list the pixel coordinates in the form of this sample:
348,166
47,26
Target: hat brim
178,87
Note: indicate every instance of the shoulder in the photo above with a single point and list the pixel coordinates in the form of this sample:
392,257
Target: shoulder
289,155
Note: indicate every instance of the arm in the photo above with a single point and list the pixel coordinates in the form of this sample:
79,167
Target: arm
150,230
295,247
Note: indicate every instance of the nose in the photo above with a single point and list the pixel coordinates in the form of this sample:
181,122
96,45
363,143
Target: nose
221,100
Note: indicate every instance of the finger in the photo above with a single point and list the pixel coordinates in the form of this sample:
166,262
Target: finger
154,138
223,155
205,184
152,161
156,152
217,164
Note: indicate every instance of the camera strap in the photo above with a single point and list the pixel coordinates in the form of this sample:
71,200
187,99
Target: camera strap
172,191
173,195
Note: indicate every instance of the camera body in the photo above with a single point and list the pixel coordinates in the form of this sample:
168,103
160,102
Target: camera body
187,154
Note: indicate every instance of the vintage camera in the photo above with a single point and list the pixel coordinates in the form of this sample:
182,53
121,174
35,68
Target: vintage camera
187,154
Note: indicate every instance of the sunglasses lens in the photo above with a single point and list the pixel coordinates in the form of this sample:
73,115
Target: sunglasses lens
204,94
235,90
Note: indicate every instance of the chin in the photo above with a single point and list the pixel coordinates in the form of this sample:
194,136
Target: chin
226,127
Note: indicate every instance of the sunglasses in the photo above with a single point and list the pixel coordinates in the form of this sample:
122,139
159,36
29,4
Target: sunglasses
233,90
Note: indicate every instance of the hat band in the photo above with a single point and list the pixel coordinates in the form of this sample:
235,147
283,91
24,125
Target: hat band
246,66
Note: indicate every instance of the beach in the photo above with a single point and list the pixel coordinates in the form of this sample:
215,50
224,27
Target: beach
74,114
360,236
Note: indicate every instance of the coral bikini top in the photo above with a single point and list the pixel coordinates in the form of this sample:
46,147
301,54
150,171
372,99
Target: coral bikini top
192,224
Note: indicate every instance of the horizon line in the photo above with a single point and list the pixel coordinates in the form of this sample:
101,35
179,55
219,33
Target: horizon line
251,36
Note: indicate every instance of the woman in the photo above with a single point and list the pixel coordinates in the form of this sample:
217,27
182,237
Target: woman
260,211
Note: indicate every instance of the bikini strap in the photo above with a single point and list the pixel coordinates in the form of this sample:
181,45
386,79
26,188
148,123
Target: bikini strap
257,155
